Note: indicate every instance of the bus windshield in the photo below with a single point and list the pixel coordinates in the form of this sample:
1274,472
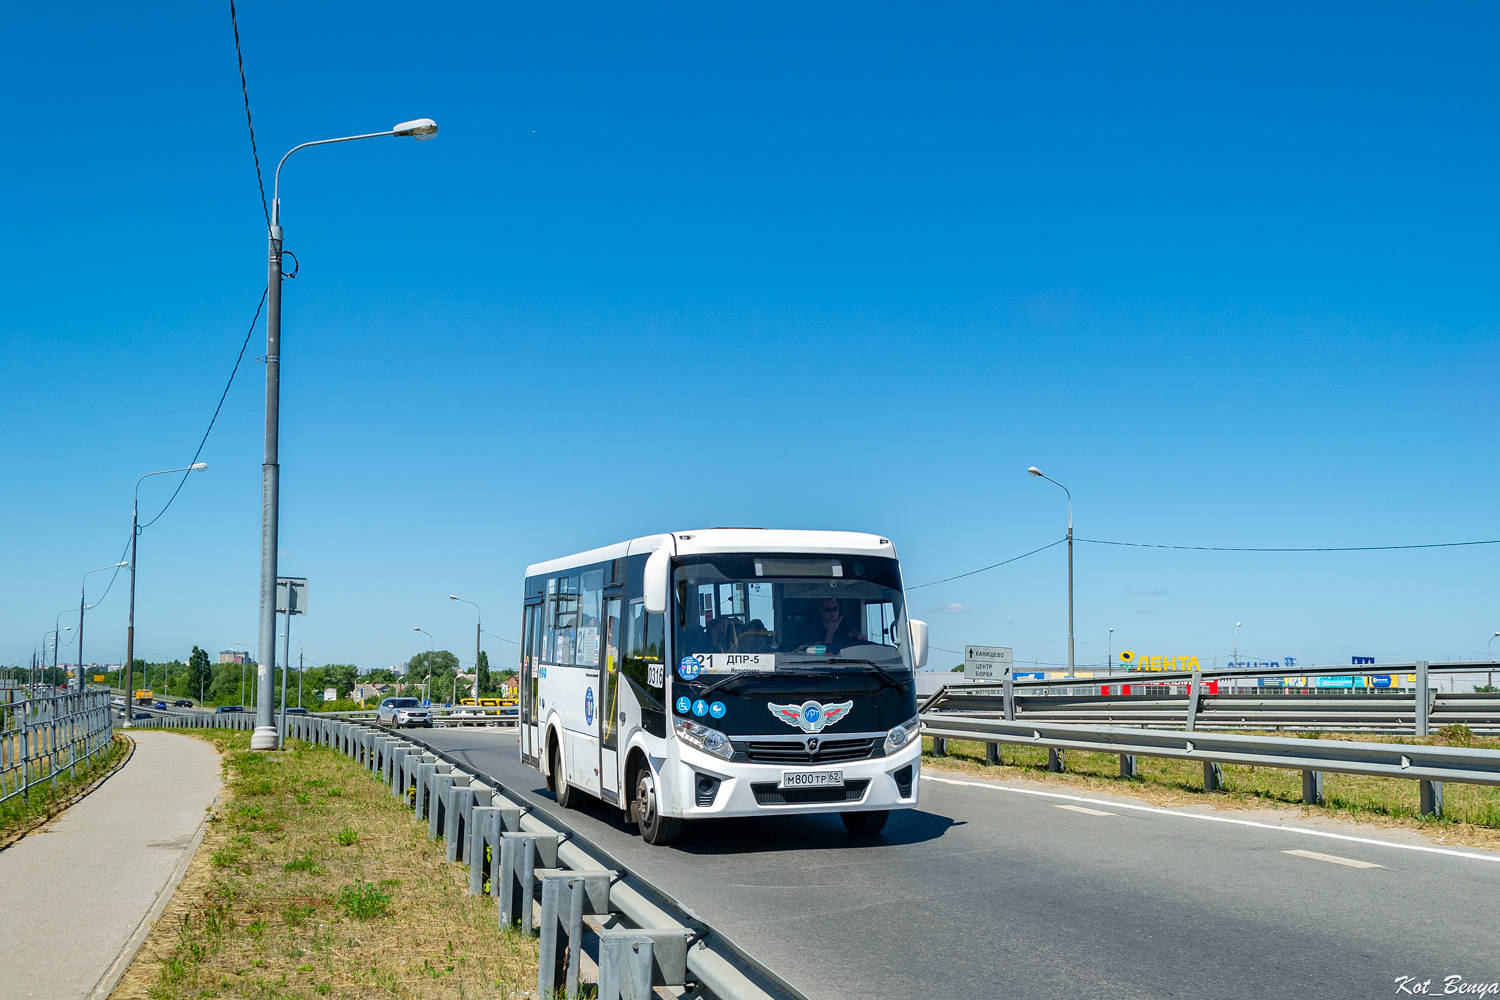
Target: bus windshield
760,613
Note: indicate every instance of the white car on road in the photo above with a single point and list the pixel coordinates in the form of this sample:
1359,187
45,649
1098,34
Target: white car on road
400,712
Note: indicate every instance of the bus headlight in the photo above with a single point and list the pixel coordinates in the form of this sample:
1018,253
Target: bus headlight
705,739
902,735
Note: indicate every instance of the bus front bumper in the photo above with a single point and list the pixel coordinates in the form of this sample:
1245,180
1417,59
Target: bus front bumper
703,786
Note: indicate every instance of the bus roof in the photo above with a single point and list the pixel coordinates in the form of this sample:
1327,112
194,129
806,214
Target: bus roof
710,540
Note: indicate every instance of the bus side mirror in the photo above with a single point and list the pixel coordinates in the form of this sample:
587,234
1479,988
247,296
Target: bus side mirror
658,569
918,632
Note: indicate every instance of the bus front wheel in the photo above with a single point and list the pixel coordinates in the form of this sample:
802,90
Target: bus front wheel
567,796
865,823
656,829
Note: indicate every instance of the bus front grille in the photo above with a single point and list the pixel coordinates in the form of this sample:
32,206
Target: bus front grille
767,794
829,752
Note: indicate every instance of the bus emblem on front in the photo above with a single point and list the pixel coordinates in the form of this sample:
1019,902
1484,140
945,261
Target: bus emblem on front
810,716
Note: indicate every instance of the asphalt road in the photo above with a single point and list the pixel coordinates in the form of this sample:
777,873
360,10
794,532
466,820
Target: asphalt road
995,893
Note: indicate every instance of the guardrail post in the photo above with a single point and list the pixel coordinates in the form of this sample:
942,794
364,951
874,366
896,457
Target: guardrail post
1010,696
992,753
1312,788
519,853
1430,794
1056,760
484,849
1129,766
426,772
939,746
625,966
1213,776
459,793
1192,713
566,897
1422,703
663,963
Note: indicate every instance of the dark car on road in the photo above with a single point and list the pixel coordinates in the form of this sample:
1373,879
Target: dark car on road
182,703
228,708
160,704
296,711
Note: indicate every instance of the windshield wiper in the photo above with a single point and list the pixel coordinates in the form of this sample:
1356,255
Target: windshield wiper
720,683
890,678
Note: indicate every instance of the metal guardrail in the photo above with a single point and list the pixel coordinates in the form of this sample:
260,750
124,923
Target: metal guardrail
42,737
641,934
1296,709
1429,766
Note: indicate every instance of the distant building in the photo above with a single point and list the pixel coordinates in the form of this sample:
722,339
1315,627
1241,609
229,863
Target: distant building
233,656
374,691
510,688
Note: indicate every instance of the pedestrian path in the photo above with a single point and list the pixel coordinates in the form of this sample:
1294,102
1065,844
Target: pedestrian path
78,897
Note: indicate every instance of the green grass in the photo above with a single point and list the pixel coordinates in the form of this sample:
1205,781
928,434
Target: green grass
271,908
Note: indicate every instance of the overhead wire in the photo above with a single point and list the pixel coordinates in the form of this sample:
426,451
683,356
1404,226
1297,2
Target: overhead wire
265,209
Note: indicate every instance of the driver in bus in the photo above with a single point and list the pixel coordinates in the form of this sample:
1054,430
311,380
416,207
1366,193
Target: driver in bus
834,632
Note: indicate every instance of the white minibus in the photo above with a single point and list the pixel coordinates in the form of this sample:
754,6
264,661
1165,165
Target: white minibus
724,672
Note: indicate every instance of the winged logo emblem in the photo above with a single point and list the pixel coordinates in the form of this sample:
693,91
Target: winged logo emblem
810,716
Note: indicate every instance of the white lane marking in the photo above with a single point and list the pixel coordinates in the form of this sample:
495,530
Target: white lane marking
1220,819
1334,859
1085,809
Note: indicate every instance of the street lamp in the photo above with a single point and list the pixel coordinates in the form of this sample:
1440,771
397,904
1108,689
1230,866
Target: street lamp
1111,666
242,670
1237,645
301,652
478,628
1038,472
82,607
135,533
431,655
1489,652
265,737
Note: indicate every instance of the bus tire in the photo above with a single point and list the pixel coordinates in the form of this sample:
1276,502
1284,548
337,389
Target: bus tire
656,829
865,824
567,796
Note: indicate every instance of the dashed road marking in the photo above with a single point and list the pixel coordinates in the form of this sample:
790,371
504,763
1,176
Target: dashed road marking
1333,859
1082,809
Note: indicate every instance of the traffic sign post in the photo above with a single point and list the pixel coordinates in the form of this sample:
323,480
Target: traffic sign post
986,663
291,599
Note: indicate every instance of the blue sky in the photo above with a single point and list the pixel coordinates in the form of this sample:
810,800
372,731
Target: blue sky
1228,274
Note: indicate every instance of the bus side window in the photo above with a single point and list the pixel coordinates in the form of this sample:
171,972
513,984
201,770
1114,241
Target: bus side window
643,666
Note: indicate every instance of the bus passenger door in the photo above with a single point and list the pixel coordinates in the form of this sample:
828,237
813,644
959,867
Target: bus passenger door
609,704
530,657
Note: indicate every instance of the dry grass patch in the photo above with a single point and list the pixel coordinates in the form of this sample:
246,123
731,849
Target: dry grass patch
303,891
1471,813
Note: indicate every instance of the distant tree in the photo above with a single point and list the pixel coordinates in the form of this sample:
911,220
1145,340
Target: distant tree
442,660
199,674
484,673
342,677
957,670
382,675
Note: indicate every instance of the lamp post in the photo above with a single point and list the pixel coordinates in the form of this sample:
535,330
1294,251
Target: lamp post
1111,666
135,532
478,628
242,670
265,737
1237,645
431,655
82,607
301,651
1489,652
1038,472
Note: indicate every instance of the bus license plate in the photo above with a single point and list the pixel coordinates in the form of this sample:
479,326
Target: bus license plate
812,779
